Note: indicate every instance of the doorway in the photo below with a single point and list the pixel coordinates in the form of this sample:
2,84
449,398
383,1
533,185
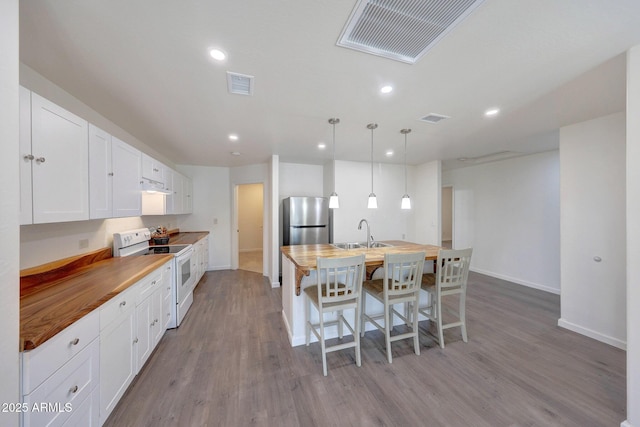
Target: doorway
250,227
447,217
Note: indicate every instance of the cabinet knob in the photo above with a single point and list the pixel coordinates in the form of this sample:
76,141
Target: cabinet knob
123,303
40,160
73,389
110,174
28,157
135,341
75,341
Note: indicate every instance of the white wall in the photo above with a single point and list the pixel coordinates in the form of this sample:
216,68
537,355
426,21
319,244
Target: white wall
301,180
509,212
9,202
633,237
426,204
353,185
211,211
592,221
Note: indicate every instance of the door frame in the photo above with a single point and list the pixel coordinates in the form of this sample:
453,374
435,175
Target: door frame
235,261
453,215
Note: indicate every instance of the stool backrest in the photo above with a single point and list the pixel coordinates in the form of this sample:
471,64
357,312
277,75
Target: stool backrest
340,279
403,273
453,268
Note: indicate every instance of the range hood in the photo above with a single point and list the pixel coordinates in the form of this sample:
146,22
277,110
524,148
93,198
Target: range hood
151,186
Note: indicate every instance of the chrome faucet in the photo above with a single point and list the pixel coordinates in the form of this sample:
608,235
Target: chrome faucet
369,237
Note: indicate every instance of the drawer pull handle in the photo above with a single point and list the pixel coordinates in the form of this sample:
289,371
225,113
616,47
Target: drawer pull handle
123,303
75,342
73,389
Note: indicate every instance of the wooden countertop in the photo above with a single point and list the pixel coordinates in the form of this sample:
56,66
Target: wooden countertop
184,237
49,302
304,256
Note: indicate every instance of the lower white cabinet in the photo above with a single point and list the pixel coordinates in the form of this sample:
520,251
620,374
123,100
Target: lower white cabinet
117,341
168,307
130,332
61,376
201,258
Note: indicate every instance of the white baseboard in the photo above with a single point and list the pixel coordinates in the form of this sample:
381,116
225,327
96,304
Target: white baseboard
275,284
517,281
219,267
250,250
592,334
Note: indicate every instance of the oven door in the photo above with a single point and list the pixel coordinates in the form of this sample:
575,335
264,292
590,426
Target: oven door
184,284
184,275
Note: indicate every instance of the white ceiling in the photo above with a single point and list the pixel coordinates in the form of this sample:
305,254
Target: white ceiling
144,65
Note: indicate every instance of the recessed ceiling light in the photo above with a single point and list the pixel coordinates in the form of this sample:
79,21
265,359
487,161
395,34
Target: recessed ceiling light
233,137
386,89
322,146
492,112
389,153
235,153
217,54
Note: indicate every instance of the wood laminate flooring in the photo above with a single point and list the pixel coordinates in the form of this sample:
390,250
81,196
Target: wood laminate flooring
230,364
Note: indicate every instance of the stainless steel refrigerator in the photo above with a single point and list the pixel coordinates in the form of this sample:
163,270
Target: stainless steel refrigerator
306,220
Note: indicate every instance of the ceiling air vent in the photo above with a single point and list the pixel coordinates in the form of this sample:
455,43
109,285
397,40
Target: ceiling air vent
434,118
240,84
402,29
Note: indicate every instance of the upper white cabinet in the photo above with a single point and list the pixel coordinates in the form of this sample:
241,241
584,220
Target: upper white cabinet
26,204
153,169
127,198
58,162
100,174
114,176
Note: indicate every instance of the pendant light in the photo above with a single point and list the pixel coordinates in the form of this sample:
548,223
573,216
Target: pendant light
373,201
406,201
334,203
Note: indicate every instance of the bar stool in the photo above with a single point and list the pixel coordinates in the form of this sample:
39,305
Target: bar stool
401,284
339,288
450,278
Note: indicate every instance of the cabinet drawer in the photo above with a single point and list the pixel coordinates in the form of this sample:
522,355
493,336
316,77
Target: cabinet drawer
56,399
147,285
38,364
118,306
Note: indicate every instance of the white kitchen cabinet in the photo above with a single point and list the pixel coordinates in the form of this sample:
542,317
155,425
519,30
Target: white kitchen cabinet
100,174
148,316
114,176
26,199
153,169
187,199
175,200
117,349
58,161
127,175
201,257
63,374
167,299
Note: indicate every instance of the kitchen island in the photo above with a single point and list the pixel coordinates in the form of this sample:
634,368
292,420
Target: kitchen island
299,271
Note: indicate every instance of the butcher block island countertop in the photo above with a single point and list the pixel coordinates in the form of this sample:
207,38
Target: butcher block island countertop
304,256
55,295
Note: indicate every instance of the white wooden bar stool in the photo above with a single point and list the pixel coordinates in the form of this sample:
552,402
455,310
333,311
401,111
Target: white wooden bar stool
339,288
401,284
450,278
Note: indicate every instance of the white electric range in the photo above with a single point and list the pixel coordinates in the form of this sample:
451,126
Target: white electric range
136,243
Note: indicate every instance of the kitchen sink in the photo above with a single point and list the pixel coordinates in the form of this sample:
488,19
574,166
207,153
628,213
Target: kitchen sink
349,245
360,245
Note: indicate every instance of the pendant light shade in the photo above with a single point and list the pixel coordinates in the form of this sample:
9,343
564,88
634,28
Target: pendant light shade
373,201
406,201
334,202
